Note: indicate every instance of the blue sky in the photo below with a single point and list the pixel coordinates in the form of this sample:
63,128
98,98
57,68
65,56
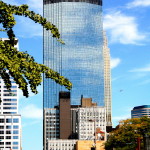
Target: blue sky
128,30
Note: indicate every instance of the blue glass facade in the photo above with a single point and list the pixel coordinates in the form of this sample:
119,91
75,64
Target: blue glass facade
140,111
80,59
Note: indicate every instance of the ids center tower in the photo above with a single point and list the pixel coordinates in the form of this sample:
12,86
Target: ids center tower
82,59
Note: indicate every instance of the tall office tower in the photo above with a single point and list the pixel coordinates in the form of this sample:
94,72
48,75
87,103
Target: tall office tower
10,120
140,111
107,81
80,59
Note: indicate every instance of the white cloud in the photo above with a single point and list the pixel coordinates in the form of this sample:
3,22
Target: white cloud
122,28
36,5
26,27
144,69
31,111
138,3
114,62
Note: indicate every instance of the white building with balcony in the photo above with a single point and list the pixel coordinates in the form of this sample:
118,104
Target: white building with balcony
10,120
92,123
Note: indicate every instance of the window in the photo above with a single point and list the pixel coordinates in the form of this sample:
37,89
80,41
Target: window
16,120
8,127
8,120
1,132
1,143
15,143
8,137
15,147
15,137
15,127
1,137
15,132
8,132
1,120
1,127
8,143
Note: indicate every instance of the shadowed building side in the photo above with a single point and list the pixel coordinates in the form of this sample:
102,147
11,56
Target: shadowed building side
65,115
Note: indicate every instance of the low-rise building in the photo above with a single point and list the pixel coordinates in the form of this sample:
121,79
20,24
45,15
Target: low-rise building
140,111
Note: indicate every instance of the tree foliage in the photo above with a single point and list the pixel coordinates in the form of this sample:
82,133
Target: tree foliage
127,132
20,65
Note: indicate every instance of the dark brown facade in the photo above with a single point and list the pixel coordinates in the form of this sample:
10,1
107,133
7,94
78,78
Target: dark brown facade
65,115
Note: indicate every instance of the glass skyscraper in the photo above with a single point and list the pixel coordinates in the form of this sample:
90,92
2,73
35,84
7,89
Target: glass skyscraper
80,59
84,59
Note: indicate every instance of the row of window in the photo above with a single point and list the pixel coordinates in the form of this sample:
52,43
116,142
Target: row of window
9,143
10,137
15,120
10,90
9,107
63,144
93,114
10,94
10,127
9,103
11,86
10,100
15,147
9,112
10,132
52,124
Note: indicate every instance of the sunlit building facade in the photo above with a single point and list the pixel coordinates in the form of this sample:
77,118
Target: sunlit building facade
80,59
10,119
107,81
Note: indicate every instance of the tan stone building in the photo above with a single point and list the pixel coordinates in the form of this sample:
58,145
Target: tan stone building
87,145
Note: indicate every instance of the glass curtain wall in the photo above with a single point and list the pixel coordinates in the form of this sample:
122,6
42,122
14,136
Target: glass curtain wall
80,59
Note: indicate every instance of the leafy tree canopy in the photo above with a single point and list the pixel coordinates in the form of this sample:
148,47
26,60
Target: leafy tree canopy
20,65
127,132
